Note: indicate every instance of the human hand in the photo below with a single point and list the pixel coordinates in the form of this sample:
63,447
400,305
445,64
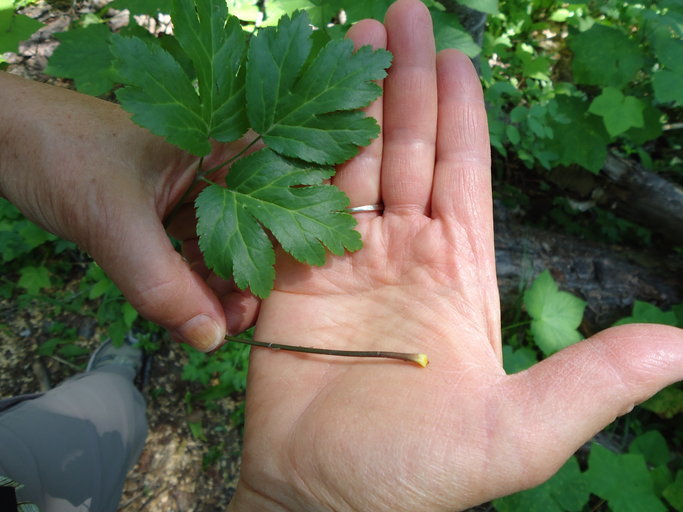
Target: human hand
80,168
366,435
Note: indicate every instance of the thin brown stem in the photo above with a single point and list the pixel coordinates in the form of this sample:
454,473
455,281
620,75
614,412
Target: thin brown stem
419,359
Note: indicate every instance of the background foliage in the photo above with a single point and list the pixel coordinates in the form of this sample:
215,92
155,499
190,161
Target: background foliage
565,82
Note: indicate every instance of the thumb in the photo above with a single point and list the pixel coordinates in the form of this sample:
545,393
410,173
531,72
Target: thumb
578,391
140,259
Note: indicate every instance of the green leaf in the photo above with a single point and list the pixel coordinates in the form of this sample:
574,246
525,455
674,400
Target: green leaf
667,86
264,192
652,446
566,491
619,112
623,480
216,44
648,313
652,126
605,56
309,112
487,6
33,235
674,492
555,314
33,279
667,403
449,33
581,137
161,95
376,9
129,313
15,28
670,52
84,54
517,360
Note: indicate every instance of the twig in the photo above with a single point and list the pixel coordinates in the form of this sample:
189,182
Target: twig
419,359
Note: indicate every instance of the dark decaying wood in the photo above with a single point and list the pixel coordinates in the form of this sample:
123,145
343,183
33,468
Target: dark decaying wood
642,196
609,278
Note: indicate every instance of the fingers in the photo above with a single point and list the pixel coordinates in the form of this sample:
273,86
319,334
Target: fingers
462,177
461,191
410,109
359,178
159,284
574,394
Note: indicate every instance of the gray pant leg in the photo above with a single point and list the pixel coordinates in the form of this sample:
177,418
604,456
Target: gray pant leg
73,446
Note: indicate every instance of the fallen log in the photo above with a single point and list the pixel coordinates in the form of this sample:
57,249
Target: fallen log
609,278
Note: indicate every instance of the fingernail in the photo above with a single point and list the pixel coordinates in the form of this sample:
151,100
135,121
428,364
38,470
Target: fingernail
202,332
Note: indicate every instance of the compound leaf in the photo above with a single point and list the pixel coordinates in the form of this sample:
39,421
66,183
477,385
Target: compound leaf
84,54
215,42
555,314
160,94
306,108
264,192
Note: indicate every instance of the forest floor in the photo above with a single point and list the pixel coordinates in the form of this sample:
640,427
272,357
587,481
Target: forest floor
174,473
177,472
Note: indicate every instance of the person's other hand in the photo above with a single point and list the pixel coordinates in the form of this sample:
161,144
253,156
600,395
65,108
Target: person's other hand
79,167
367,435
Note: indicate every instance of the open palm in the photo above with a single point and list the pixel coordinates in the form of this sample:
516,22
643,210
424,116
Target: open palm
338,434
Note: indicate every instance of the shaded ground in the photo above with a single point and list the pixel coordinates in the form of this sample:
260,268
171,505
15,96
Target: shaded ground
171,474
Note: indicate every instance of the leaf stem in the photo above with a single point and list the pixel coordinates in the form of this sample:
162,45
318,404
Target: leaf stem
229,160
419,359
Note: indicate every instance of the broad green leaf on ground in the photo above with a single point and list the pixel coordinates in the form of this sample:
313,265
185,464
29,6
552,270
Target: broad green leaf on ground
14,28
648,313
487,6
264,192
84,54
160,94
149,7
667,403
669,51
652,446
674,492
652,126
306,109
623,480
376,9
33,279
567,491
605,56
580,137
449,33
555,315
619,112
667,86
517,360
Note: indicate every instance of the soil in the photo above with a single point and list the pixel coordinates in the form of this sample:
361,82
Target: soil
177,472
